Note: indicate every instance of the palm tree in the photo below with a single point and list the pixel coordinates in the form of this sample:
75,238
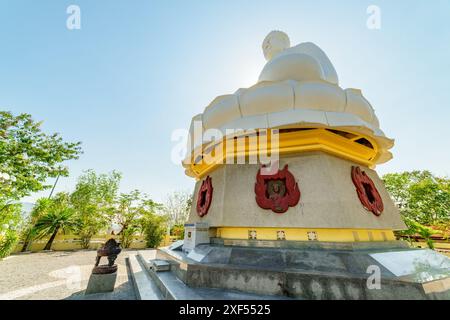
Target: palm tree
40,208
60,217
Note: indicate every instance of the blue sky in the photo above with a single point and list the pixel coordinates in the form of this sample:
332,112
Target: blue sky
137,70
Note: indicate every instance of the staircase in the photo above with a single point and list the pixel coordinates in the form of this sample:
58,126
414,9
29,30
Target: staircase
155,279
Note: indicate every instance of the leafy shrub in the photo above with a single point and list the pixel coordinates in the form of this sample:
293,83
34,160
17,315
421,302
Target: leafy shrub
154,229
415,228
8,242
177,231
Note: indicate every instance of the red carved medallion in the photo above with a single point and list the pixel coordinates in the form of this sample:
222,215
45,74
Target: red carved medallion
278,191
204,197
367,192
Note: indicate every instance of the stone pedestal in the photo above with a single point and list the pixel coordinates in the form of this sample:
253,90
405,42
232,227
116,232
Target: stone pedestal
314,270
101,283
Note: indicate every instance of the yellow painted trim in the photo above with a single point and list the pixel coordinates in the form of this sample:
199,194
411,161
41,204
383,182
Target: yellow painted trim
290,142
301,234
64,242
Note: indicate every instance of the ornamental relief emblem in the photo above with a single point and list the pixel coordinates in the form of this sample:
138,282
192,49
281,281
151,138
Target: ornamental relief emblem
277,192
204,197
367,192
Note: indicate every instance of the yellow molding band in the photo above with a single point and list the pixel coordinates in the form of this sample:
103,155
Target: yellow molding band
305,234
290,142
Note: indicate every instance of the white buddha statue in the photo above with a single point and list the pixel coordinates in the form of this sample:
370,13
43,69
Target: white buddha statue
303,62
297,88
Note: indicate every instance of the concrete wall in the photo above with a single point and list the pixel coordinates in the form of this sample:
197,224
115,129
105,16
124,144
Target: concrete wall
328,197
72,242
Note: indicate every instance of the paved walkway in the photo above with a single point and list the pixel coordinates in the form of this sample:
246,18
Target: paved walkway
58,275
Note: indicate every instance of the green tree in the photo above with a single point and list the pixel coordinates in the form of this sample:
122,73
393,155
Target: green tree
60,216
420,196
93,200
29,156
131,209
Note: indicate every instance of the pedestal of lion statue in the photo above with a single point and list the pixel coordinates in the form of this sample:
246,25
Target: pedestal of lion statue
287,200
101,283
103,277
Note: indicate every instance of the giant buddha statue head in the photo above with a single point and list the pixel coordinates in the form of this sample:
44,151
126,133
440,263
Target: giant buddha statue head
274,43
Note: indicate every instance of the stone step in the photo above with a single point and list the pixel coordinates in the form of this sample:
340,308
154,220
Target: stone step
169,285
145,287
148,259
172,288
159,265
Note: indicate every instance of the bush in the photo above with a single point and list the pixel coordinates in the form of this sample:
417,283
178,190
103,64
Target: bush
415,228
8,242
10,223
154,229
127,235
177,231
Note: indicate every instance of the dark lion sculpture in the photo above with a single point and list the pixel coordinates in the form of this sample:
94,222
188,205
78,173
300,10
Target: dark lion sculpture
111,250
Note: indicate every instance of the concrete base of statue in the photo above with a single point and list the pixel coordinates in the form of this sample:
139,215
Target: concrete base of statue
313,270
101,283
328,199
